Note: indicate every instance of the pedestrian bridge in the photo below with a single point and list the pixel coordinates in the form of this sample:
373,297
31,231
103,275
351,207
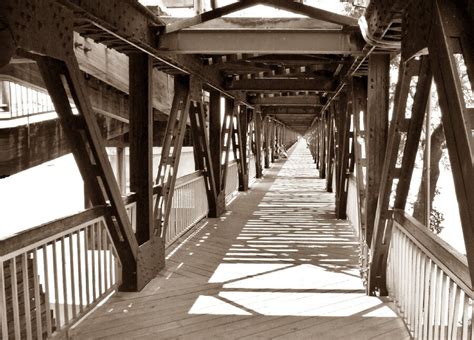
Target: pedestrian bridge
246,243
277,264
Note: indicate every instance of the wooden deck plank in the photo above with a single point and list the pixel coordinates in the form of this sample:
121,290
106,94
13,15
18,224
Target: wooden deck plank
276,265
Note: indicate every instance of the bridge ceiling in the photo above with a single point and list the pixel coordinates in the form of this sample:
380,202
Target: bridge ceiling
287,63
289,67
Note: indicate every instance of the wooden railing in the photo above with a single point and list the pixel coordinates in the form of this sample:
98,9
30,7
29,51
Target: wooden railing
189,205
18,100
429,282
353,204
52,275
232,181
252,169
188,208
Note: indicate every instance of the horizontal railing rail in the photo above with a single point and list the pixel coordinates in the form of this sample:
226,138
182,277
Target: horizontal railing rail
52,275
429,281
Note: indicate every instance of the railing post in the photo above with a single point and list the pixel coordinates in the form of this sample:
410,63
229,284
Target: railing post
272,140
317,144
322,160
258,142
266,142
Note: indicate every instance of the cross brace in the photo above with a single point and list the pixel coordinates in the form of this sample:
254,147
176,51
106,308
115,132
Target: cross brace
170,154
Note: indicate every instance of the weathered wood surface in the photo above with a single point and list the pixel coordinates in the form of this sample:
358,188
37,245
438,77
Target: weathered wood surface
277,265
112,68
376,123
26,146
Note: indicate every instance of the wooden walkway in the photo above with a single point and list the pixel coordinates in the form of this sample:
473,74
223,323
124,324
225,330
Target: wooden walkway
277,265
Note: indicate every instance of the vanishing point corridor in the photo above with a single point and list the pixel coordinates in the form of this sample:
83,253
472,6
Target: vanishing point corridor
276,265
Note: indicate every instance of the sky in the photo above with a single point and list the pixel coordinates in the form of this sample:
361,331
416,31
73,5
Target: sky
255,11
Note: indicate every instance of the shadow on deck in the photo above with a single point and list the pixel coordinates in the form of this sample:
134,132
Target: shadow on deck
277,265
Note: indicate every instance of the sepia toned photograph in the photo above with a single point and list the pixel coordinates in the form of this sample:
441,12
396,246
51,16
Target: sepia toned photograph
237,169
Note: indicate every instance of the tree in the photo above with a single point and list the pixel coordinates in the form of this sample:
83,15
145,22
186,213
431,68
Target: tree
435,158
437,140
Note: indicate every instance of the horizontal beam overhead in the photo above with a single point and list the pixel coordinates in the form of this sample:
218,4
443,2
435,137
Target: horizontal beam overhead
262,42
324,84
285,110
286,101
298,60
238,23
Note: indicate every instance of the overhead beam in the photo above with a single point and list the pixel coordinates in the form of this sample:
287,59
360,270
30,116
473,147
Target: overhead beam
298,60
207,16
312,12
237,23
287,101
262,42
324,84
291,110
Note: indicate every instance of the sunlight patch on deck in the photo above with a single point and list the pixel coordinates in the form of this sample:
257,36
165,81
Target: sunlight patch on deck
213,306
291,304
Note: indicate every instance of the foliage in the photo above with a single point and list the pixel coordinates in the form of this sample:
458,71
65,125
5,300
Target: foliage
354,8
436,218
439,156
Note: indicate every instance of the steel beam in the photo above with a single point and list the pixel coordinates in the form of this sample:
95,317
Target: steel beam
324,84
377,129
128,22
258,143
244,23
141,142
287,101
262,42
